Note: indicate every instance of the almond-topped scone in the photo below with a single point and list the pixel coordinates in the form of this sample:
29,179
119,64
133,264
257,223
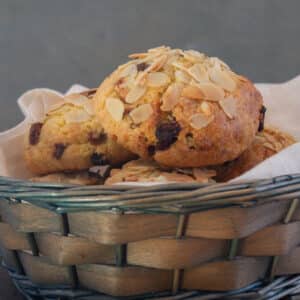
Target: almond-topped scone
71,138
266,143
149,171
180,108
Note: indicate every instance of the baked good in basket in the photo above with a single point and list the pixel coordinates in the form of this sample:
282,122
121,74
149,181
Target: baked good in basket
149,171
266,143
71,138
180,108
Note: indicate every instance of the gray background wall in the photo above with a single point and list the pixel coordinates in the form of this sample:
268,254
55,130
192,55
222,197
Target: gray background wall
59,42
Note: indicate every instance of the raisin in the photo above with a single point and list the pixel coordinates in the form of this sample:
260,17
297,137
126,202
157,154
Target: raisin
97,138
262,113
59,150
35,132
166,134
99,159
151,150
142,66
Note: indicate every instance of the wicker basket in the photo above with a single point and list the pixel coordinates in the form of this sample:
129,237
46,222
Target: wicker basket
179,241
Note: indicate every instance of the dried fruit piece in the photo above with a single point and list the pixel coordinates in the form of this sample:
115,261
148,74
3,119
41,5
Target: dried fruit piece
199,73
59,150
96,138
166,134
181,76
222,78
99,159
171,97
135,94
115,107
229,107
262,113
34,133
151,150
199,120
192,92
157,79
142,66
211,91
141,113
76,116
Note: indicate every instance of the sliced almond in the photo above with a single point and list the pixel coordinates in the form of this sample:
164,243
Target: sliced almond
181,76
115,107
217,62
76,116
129,70
141,113
159,49
138,55
157,79
200,120
89,107
229,107
199,73
222,78
76,99
205,107
197,56
211,91
193,92
270,146
135,94
171,97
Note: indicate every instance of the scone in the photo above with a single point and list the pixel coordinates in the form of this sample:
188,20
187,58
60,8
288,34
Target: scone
71,138
149,171
180,108
267,143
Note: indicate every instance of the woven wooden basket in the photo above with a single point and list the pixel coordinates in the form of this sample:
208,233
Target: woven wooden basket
229,241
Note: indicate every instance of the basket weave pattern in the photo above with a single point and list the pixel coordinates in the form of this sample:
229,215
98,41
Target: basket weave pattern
130,241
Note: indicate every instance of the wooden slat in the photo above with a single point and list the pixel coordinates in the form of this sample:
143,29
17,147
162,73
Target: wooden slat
29,218
10,259
171,253
289,264
63,250
234,222
272,241
42,272
11,239
125,281
110,228
225,275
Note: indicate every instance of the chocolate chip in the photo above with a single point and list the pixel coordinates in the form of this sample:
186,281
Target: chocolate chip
262,113
97,138
166,134
142,66
151,150
59,150
101,172
99,159
34,133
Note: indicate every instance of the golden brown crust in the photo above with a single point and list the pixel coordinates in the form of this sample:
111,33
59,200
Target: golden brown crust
70,139
267,143
149,171
173,118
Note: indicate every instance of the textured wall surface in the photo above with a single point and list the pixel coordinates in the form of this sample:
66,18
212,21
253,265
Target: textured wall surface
56,43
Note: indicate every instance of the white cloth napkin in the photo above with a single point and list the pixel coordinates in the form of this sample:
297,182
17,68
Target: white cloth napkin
283,109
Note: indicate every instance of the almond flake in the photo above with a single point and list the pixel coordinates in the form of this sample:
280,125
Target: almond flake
89,107
229,107
195,54
192,92
217,62
129,70
115,107
76,116
135,94
211,91
141,113
159,49
200,120
76,99
199,73
138,55
269,146
205,107
182,76
171,97
222,78
157,79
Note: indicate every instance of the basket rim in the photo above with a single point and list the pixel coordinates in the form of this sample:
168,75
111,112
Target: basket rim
177,198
